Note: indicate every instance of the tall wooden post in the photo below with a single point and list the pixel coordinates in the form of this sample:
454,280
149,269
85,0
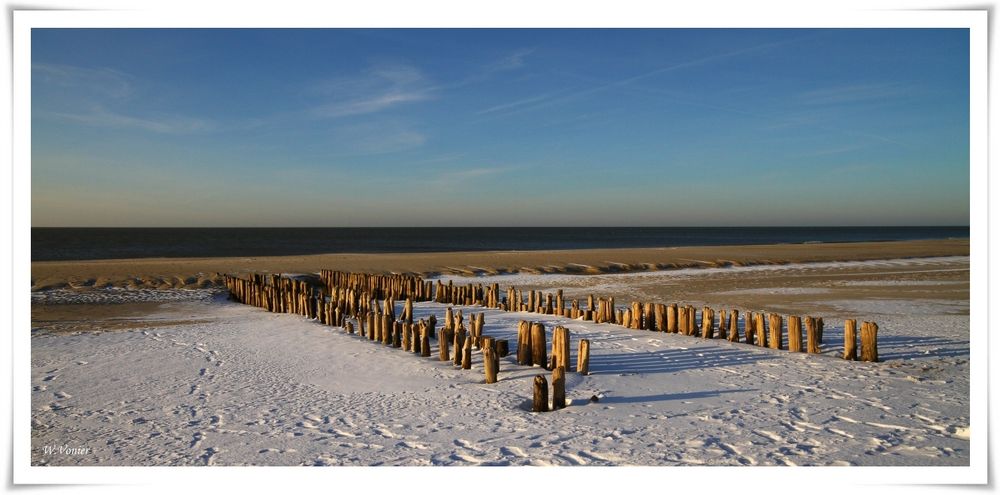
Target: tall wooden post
490,364
540,402
672,318
560,346
583,358
812,342
524,356
758,324
748,327
775,323
734,325
869,342
558,388
851,340
707,323
538,344
794,333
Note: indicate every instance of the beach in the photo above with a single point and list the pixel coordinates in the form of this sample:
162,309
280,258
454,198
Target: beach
162,273
145,373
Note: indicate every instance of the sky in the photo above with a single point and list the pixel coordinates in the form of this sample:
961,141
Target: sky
499,127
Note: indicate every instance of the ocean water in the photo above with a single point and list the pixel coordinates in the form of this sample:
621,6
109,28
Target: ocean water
49,244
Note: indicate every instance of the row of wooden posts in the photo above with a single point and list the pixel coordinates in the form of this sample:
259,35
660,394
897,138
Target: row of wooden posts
378,323
354,293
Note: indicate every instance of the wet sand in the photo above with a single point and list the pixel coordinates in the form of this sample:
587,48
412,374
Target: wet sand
163,273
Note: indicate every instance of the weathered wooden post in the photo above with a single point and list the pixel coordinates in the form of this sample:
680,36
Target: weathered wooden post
775,323
558,388
812,342
540,402
459,343
538,344
851,340
734,325
524,356
408,311
707,323
560,346
583,358
869,342
794,333
425,343
407,345
467,355
660,317
490,364
819,330
350,327
758,324
672,318
691,319
443,342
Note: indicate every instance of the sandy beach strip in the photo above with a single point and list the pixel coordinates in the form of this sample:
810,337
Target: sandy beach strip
163,273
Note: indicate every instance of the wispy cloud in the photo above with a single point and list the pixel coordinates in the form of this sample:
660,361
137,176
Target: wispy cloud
96,82
853,93
375,138
101,117
603,86
515,104
512,61
94,97
377,89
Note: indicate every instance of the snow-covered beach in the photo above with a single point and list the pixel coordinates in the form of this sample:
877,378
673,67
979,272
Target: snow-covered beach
204,381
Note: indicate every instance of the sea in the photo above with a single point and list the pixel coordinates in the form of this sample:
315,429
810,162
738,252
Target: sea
65,244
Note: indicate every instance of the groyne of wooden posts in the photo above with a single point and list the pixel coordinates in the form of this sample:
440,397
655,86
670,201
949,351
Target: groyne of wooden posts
365,304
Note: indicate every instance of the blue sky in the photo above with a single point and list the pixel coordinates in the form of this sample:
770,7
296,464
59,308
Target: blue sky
561,127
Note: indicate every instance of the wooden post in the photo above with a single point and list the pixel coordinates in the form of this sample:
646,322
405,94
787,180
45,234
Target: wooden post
350,327
583,358
734,325
490,364
775,323
425,343
682,318
560,346
387,328
459,343
407,345
851,340
758,324
443,342
819,330
408,310
672,318
540,402
558,388
812,343
794,333
538,344
524,343
660,317
449,317
869,342
707,323
467,355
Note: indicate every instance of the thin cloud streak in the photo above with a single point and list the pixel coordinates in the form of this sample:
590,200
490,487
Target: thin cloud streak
630,80
380,88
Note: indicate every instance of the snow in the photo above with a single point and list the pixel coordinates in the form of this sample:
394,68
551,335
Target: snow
241,386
